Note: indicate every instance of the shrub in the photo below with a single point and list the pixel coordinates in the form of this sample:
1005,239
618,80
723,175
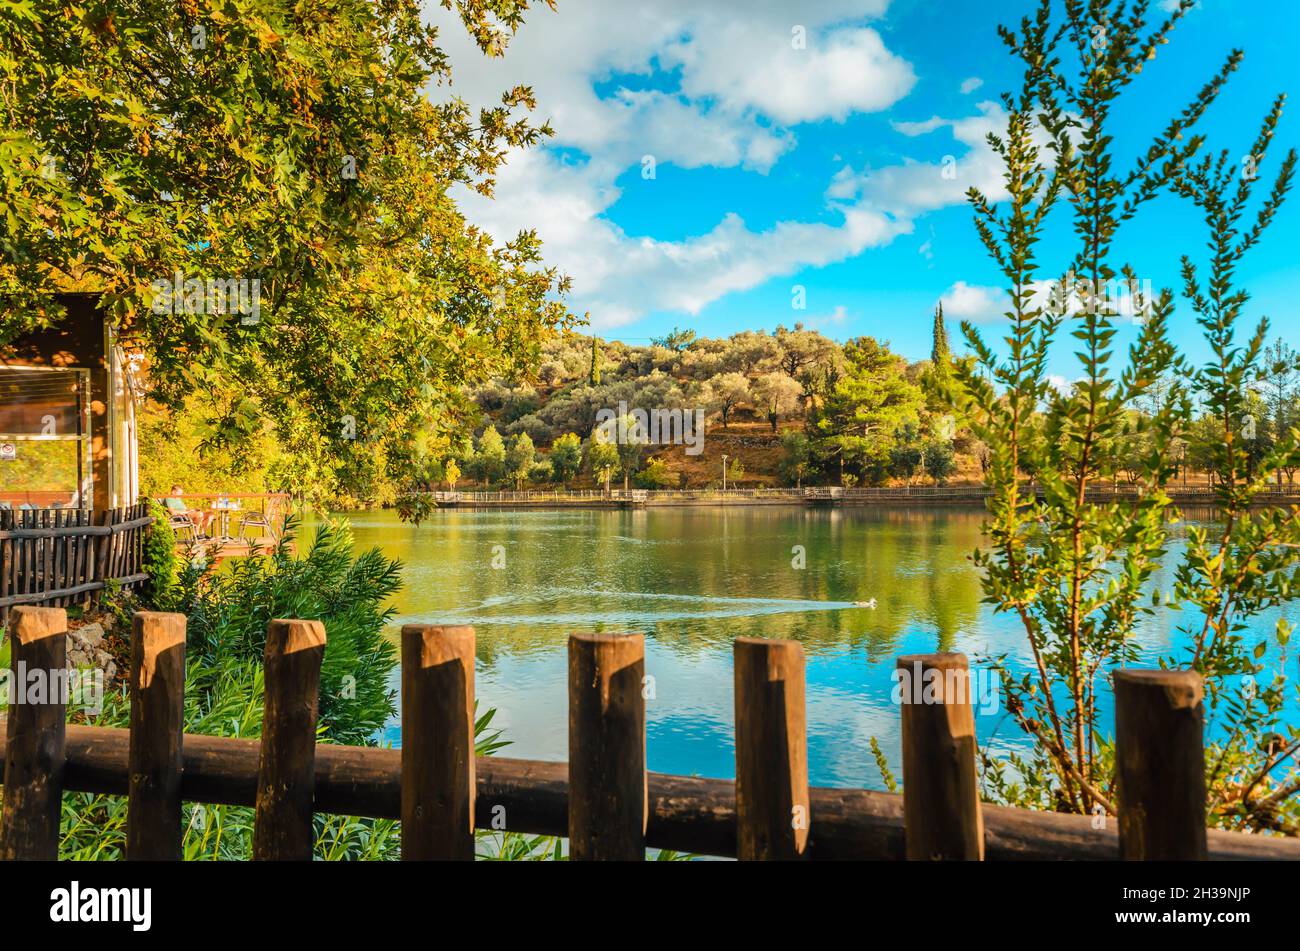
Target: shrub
160,560
229,610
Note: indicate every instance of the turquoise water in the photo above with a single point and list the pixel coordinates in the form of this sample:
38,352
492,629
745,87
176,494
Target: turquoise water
694,579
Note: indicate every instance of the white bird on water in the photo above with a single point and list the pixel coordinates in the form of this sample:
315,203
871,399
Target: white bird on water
865,604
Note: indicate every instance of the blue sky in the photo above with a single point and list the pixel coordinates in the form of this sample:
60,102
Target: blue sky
776,167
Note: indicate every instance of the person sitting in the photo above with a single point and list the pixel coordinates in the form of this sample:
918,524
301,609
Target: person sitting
175,503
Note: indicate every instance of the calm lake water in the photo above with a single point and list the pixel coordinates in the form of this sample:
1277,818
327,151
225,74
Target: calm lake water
692,580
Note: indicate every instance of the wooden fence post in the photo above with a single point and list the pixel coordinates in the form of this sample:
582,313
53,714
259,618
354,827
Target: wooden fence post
153,817
286,775
772,805
437,742
941,806
34,760
607,775
1159,749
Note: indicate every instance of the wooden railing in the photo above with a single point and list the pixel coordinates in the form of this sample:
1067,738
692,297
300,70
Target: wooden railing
602,799
975,495
60,556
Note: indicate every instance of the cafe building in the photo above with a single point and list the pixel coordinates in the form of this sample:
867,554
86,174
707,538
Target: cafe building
68,399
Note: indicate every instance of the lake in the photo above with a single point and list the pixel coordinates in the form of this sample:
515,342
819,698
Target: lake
692,580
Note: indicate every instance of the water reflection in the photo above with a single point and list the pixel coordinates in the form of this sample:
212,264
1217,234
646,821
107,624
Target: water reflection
692,580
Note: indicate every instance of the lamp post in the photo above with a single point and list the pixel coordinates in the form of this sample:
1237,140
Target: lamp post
724,473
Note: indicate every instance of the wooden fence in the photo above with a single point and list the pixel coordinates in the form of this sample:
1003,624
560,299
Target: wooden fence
59,556
603,798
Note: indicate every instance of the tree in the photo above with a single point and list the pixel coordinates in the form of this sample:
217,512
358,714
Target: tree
1279,379
724,392
778,394
520,458
906,457
796,456
939,460
602,457
749,352
656,475
870,404
283,165
808,357
490,456
1078,575
451,473
566,457
802,350
593,375
675,340
630,446
940,352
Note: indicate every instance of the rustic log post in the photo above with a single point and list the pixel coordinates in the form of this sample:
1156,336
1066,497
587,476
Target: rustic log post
437,742
941,806
153,818
772,805
286,777
34,761
607,774
1159,749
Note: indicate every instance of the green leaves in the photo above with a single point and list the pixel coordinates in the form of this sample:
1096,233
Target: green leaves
1079,570
284,141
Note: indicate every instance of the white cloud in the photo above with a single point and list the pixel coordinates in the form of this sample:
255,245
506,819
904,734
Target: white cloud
621,277
968,86
974,303
914,188
742,90
747,65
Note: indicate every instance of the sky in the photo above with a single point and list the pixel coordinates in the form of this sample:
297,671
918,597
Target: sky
724,165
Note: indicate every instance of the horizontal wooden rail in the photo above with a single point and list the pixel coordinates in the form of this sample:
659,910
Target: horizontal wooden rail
684,813
77,531
88,587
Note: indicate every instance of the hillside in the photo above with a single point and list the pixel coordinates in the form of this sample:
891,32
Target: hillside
785,407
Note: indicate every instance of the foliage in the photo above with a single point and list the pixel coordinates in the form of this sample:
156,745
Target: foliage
224,694
519,459
656,475
939,460
602,457
796,456
160,561
1079,573
870,403
292,144
229,609
566,457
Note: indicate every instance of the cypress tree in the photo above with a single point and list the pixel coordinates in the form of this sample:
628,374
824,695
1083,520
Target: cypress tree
940,354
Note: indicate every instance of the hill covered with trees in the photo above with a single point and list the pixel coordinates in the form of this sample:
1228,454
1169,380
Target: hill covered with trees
785,408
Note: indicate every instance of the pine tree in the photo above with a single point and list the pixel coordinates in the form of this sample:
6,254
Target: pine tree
594,376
